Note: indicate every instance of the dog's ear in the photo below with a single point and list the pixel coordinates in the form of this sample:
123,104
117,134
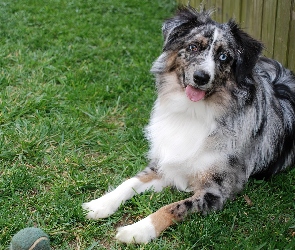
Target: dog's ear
170,25
182,23
248,51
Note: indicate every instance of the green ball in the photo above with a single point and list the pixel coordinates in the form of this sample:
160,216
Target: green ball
30,238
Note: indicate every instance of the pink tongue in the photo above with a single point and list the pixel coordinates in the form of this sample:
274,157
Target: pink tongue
194,94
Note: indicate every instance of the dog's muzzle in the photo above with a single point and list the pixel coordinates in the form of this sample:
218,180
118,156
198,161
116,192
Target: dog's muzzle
201,78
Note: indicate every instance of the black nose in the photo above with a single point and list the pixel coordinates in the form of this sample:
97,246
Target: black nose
201,78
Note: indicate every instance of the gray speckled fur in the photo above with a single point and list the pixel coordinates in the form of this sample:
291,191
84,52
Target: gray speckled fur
223,113
254,97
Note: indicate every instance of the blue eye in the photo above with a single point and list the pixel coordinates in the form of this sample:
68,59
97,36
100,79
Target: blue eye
223,57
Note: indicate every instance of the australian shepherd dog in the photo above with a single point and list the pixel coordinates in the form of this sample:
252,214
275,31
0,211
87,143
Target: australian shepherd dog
223,113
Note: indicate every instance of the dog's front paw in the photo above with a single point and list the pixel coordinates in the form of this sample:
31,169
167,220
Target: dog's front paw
139,232
102,207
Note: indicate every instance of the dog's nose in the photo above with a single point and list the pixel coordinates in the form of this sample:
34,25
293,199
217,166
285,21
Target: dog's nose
201,78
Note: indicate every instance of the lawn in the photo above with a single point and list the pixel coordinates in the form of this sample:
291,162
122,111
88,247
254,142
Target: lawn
75,95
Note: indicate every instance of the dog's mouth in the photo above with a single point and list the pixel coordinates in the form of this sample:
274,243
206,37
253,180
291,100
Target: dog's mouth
194,94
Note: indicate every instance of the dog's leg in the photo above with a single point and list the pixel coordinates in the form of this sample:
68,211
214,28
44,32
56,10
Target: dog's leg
209,195
110,202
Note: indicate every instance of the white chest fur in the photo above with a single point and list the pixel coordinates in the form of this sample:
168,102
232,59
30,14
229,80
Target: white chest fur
177,132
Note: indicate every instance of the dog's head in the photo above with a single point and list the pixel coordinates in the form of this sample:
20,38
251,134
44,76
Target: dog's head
205,54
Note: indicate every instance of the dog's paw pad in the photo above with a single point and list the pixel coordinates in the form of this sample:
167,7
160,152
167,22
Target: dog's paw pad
139,232
99,208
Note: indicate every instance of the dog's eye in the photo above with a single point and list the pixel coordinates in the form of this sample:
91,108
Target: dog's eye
223,57
192,48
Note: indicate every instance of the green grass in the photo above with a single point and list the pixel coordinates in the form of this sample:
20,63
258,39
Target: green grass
75,95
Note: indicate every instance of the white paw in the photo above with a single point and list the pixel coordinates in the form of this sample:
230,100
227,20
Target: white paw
142,231
102,207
